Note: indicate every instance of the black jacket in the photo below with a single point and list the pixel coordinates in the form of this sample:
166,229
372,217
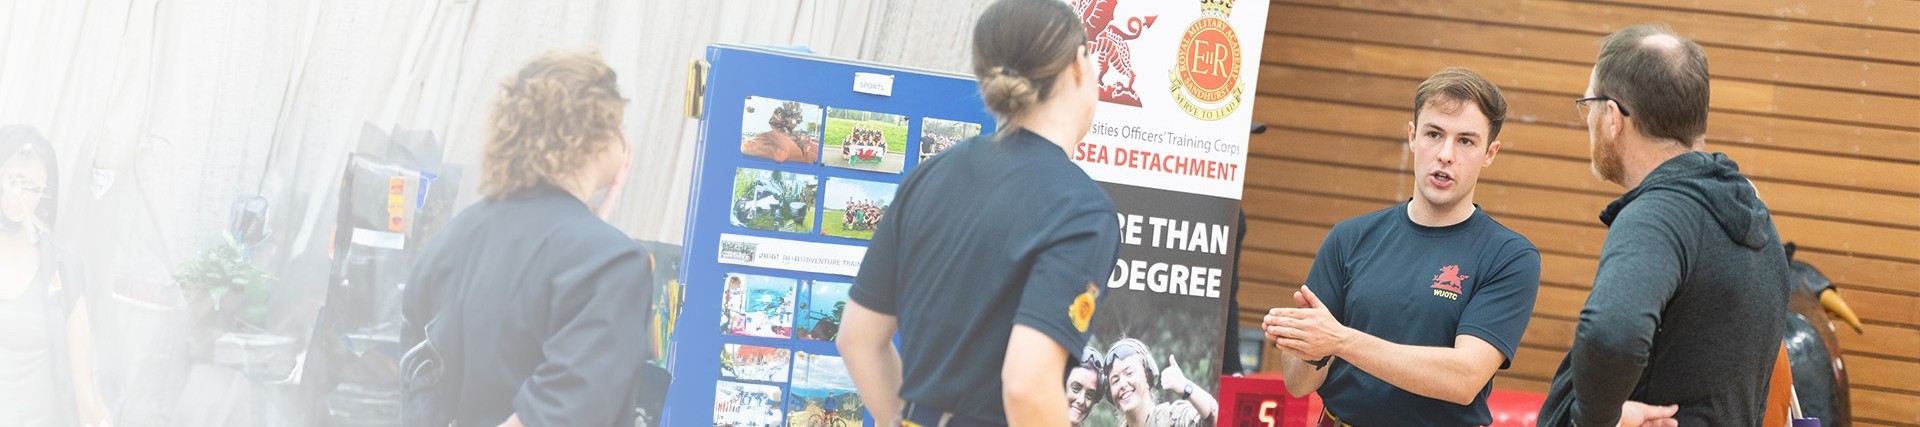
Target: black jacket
1688,305
530,306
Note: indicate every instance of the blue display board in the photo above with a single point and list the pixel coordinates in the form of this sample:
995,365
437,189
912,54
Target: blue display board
797,156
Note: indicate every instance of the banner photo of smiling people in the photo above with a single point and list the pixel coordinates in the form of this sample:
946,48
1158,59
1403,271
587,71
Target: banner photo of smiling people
1169,145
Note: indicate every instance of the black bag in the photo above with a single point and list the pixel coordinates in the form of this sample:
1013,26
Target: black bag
427,392
651,394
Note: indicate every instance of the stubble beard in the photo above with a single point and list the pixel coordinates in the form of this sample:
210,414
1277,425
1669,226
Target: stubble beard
1606,162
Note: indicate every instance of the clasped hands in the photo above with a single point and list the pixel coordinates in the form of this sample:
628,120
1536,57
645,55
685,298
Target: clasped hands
1308,331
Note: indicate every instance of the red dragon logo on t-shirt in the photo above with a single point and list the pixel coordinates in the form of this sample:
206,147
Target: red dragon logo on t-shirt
1447,284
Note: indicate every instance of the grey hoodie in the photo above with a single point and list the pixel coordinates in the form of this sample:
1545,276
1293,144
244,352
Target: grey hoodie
1688,305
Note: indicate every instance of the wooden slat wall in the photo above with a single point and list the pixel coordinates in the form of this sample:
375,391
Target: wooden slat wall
1818,101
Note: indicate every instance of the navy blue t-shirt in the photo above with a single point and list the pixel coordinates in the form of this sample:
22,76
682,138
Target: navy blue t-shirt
1410,284
988,234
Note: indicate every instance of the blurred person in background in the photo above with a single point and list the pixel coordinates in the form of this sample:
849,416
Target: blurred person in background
46,344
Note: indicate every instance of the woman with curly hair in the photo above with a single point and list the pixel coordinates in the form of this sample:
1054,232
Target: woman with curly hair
511,314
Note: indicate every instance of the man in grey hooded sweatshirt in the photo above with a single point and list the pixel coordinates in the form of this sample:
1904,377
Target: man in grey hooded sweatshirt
1688,304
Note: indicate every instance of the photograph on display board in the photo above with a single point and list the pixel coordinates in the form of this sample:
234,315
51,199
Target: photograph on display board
755,363
774,200
821,306
746,405
781,131
757,306
866,140
822,393
854,207
937,135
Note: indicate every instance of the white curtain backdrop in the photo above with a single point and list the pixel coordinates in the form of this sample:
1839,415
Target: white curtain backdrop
163,113
225,98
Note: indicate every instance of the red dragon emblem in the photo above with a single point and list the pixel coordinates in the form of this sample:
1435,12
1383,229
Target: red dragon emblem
1108,42
1449,279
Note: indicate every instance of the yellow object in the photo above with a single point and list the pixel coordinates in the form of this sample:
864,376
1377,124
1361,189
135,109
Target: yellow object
396,205
1336,420
696,94
1830,299
1082,309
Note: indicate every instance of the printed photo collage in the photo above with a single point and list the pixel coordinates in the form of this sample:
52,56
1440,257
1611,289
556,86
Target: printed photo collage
808,147
810,170
774,385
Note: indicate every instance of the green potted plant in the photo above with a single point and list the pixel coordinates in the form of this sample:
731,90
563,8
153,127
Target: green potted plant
226,298
233,289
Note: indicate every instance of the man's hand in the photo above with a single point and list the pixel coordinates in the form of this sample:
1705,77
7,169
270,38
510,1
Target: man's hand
1300,299
1309,332
1271,326
1271,321
1636,414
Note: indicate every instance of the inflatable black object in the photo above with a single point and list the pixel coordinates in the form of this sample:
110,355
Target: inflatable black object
1819,374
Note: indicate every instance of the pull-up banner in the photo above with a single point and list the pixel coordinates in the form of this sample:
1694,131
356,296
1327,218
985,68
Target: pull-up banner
1169,144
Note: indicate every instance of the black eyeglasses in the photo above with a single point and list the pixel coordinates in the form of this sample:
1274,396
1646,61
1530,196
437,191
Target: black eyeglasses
1581,105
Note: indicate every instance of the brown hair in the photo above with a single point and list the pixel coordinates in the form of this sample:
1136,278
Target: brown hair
562,109
1020,47
1663,86
1455,85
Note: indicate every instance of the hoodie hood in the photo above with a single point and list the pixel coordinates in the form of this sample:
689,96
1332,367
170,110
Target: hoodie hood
1713,181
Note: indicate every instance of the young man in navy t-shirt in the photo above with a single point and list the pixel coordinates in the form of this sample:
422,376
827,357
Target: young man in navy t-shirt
1409,311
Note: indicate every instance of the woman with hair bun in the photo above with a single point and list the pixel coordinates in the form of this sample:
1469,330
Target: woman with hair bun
990,263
